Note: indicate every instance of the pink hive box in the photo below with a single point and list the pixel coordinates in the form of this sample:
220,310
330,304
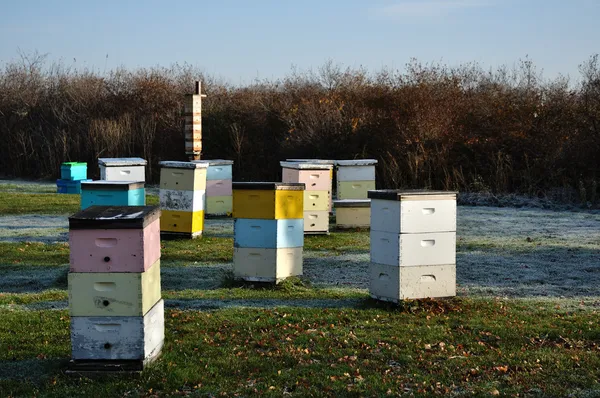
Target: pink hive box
114,239
315,180
218,188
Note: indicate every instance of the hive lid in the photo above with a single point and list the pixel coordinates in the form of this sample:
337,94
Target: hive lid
269,186
112,162
356,162
306,166
216,162
410,194
74,164
319,161
197,164
111,185
352,203
114,217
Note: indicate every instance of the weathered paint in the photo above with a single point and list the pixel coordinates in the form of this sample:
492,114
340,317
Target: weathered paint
183,179
219,172
408,250
268,234
315,180
356,173
219,205
114,250
73,171
96,197
182,221
267,265
118,337
268,204
393,283
413,216
354,189
218,188
316,221
316,200
114,293
352,217
171,199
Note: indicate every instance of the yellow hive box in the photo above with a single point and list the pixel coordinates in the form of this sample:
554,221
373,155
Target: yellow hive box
219,205
268,200
187,222
114,293
352,213
183,176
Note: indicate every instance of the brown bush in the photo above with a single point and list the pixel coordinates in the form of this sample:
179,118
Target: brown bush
429,126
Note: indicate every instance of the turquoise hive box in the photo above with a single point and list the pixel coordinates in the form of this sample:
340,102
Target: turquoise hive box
73,171
112,193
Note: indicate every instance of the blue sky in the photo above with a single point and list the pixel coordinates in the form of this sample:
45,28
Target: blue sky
241,40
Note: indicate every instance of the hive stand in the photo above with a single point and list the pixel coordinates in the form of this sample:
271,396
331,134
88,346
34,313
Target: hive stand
117,314
413,244
317,197
268,230
182,198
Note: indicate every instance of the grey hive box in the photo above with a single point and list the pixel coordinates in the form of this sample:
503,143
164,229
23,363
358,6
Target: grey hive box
413,244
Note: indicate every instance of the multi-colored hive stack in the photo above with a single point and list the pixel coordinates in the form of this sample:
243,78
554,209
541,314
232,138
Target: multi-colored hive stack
354,179
117,314
320,161
122,169
193,123
219,201
317,196
182,197
72,174
413,244
112,193
268,230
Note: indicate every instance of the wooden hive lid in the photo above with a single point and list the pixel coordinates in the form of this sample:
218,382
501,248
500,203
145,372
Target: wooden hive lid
172,164
107,185
269,186
319,161
216,162
114,162
411,194
114,217
306,166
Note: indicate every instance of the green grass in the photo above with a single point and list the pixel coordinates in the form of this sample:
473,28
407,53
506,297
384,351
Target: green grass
459,346
46,203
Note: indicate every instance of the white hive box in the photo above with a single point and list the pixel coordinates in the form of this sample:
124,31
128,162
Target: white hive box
118,337
267,265
355,178
413,244
122,169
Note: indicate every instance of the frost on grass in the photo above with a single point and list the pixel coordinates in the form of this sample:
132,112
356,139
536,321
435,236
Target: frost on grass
34,228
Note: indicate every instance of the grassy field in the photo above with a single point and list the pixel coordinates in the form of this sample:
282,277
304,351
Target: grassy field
316,337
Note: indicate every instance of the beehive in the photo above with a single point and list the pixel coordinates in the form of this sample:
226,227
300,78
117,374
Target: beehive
413,244
71,176
112,193
219,200
182,198
317,197
69,186
352,213
115,304
122,169
355,178
193,123
325,162
268,230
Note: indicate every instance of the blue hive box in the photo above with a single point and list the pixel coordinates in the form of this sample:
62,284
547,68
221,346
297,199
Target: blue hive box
268,234
69,186
73,171
112,193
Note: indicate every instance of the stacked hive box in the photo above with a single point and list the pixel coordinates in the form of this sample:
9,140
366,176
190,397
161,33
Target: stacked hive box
218,187
268,230
193,123
71,176
317,180
413,244
122,169
352,213
354,179
321,161
182,195
112,193
117,314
